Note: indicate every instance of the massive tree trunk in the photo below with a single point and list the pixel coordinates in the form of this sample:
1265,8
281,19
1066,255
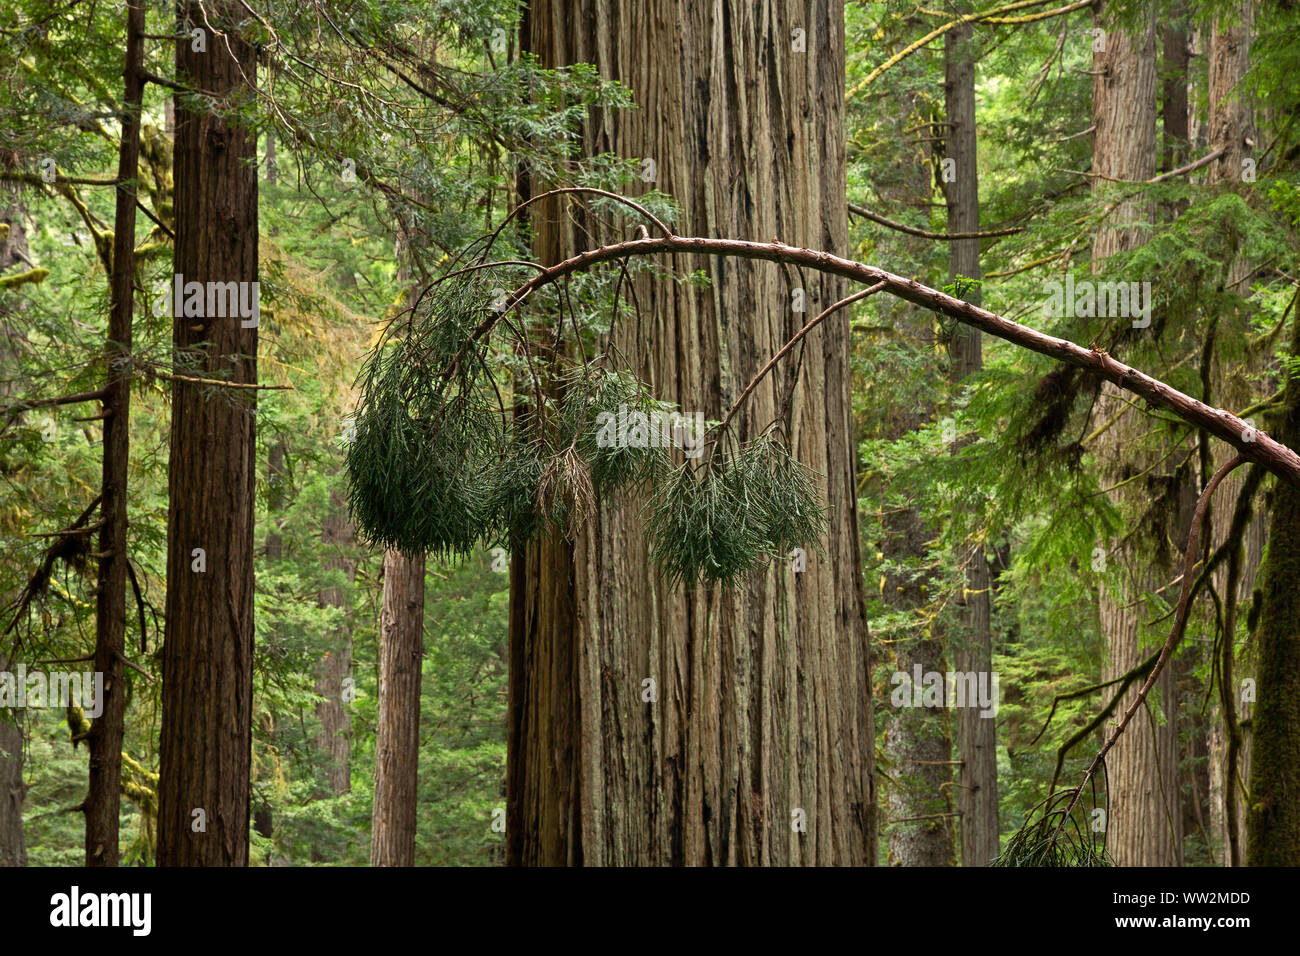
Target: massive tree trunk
1145,823
397,743
753,744
972,649
104,798
208,651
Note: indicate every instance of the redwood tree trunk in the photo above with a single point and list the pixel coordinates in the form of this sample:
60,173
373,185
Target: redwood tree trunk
206,732
972,648
1231,127
13,848
753,745
1144,825
1273,823
397,744
334,741
104,799
13,251
1173,100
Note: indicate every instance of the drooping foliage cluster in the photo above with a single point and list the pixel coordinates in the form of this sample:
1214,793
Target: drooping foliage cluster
441,465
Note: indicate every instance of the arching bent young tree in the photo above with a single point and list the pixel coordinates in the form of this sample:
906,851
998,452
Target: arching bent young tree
442,464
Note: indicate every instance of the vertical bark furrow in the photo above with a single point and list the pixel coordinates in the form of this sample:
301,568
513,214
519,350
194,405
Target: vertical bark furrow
206,735
760,711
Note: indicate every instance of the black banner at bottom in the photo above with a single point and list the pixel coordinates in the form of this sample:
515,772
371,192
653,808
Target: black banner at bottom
350,907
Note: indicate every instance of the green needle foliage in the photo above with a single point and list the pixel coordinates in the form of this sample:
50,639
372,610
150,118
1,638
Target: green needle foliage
438,466
424,441
1038,842
723,520
512,491
613,466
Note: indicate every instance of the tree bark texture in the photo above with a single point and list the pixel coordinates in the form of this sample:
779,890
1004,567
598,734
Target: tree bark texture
1231,128
654,725
13,251
334,741
104,797
1273,823
397,744
208,652
971,649
13,846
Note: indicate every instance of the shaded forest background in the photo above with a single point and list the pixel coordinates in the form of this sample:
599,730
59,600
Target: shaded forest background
1000,497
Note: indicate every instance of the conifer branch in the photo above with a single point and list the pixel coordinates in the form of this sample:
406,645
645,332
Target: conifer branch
1253,444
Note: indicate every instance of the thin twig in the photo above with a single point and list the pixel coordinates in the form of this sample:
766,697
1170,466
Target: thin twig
785,349
923,234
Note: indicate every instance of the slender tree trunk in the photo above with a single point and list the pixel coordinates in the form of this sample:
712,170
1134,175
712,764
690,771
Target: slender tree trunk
401,639
276,479
13,848
208,652
334,740
918,740
1231,128
104,799
13,251
1193,727
652,725
397,743
13,213
972,651
1145,822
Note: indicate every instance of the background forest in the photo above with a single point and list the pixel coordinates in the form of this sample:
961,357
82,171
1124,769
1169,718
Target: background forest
367,667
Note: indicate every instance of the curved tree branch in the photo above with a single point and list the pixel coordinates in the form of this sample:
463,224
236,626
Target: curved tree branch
1252,444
